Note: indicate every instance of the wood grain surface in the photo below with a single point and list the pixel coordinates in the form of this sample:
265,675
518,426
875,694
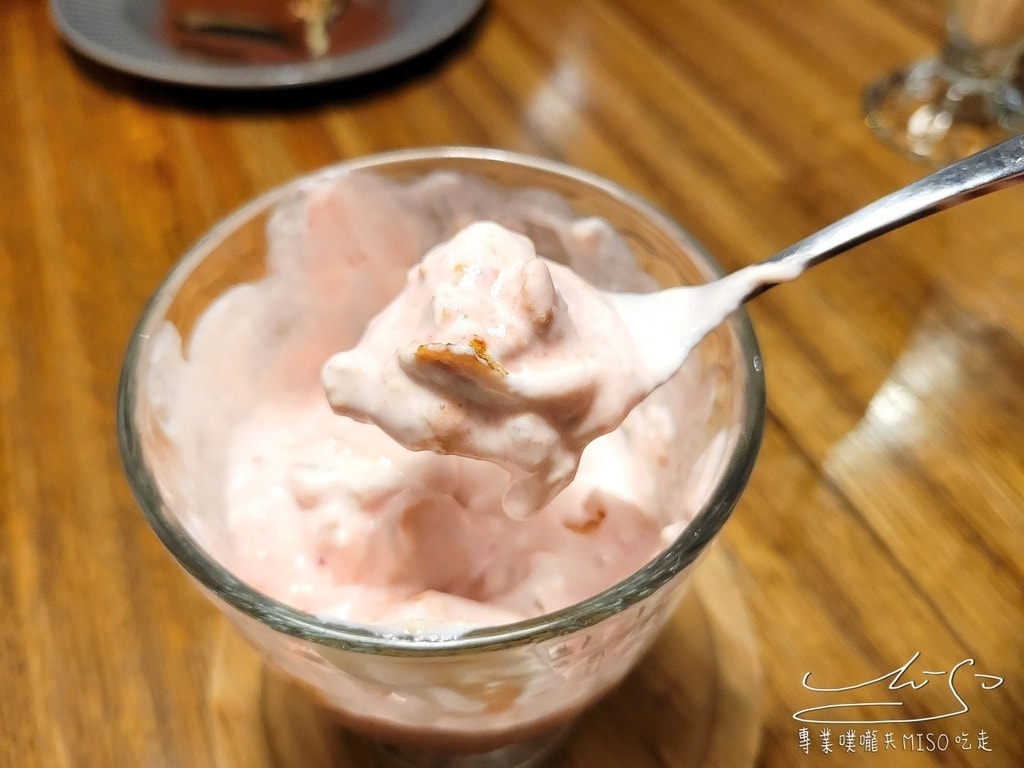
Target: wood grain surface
882,528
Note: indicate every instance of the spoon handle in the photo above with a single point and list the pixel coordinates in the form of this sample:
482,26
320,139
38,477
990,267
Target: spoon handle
987,171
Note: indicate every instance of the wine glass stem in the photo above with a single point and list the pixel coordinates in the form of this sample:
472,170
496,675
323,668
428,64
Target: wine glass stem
984,38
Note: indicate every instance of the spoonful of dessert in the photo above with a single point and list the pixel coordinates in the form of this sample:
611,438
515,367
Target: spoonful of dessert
494,352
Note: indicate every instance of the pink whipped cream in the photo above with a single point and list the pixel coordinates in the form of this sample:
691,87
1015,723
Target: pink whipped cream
332,515
495,353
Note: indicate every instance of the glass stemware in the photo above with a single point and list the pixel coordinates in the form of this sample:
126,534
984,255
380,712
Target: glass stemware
495,697
964,98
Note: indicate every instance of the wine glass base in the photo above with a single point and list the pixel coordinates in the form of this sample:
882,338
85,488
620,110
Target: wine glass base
932,113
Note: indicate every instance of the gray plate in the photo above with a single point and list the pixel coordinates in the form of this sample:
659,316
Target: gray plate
123,34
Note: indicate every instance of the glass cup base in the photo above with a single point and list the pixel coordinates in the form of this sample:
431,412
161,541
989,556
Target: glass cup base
531,753
932,113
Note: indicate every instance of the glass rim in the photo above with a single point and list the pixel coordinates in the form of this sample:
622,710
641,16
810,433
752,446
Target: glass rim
367,638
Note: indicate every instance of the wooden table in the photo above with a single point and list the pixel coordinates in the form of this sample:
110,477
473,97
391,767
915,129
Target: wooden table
883,524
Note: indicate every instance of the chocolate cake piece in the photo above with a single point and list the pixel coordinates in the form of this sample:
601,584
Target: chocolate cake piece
254,30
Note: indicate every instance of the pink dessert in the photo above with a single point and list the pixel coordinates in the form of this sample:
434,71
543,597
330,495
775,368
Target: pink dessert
333,516
495,353
410,553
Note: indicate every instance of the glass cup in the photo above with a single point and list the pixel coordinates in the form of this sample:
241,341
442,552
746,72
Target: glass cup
963,99
496,696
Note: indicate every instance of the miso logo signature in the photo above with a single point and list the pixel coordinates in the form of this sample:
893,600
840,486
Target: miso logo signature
896,686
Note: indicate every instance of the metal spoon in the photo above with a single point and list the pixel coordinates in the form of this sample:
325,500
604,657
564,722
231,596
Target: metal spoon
667,324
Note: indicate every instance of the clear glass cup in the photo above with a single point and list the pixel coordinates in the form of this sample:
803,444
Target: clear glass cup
965,98
497,696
